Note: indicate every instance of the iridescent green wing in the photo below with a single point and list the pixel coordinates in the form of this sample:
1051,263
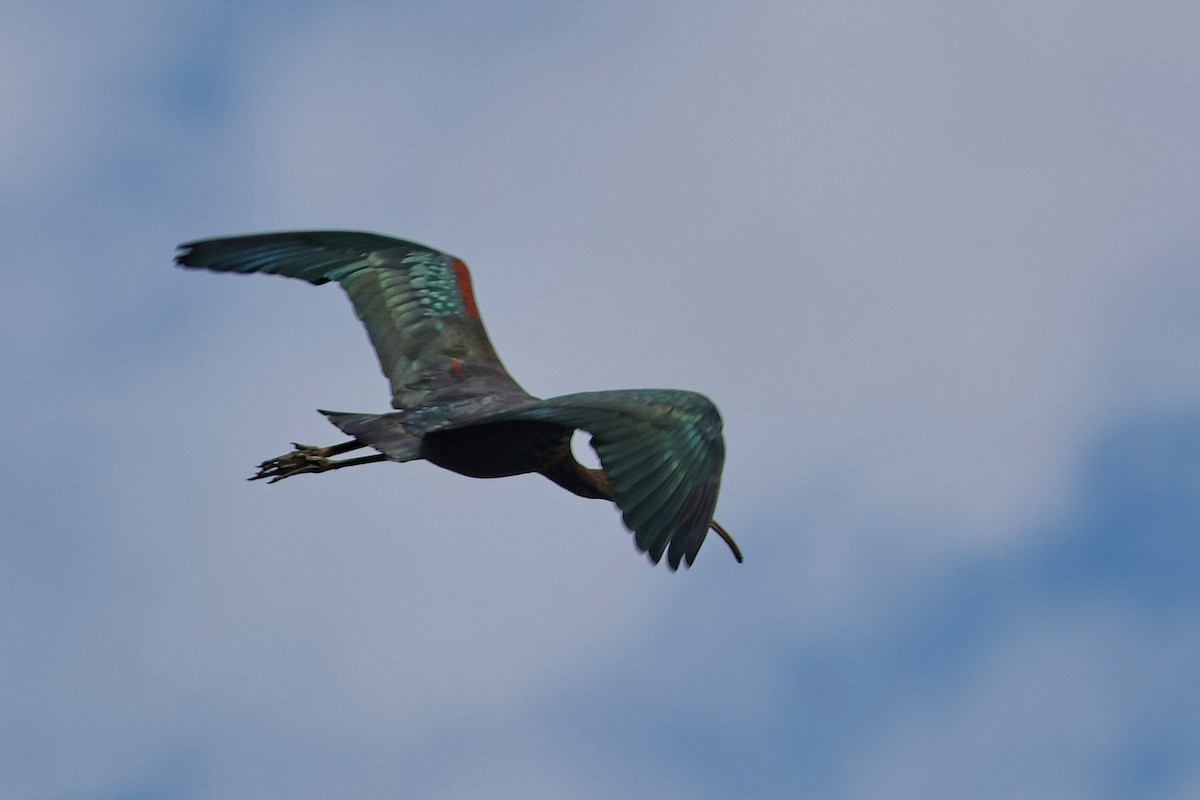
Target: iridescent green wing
662,451
416,303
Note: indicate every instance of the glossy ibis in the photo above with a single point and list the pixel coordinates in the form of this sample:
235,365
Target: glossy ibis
660,450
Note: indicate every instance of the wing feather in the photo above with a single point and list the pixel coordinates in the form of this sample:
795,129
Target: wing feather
416,303
662,451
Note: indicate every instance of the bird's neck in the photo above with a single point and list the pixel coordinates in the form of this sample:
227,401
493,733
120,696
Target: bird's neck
578,479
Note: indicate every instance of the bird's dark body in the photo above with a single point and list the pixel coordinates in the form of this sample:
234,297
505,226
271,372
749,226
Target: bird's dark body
661,450
496,449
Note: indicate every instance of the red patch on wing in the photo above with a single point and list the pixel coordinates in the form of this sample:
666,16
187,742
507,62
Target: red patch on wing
463,277
456,366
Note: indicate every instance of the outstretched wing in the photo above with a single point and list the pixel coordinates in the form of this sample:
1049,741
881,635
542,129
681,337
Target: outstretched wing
416,303
662,451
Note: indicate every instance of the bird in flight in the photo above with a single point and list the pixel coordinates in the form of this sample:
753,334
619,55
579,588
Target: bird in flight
661,450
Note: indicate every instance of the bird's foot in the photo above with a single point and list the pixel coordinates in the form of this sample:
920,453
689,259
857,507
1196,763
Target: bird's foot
305,458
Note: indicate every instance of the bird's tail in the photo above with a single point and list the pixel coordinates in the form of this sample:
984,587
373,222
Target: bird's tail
384,432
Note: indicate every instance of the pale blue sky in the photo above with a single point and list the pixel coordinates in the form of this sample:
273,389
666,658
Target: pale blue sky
936,263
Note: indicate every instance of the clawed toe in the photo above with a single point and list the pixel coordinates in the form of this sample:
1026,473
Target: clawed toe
305,458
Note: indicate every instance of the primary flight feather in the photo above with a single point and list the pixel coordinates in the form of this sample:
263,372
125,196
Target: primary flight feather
661,450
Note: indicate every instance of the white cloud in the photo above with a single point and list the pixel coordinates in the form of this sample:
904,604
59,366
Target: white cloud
68,77
1047,710
896,247
871,252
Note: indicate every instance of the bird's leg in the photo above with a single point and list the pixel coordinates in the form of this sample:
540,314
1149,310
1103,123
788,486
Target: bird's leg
307,458
724,534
